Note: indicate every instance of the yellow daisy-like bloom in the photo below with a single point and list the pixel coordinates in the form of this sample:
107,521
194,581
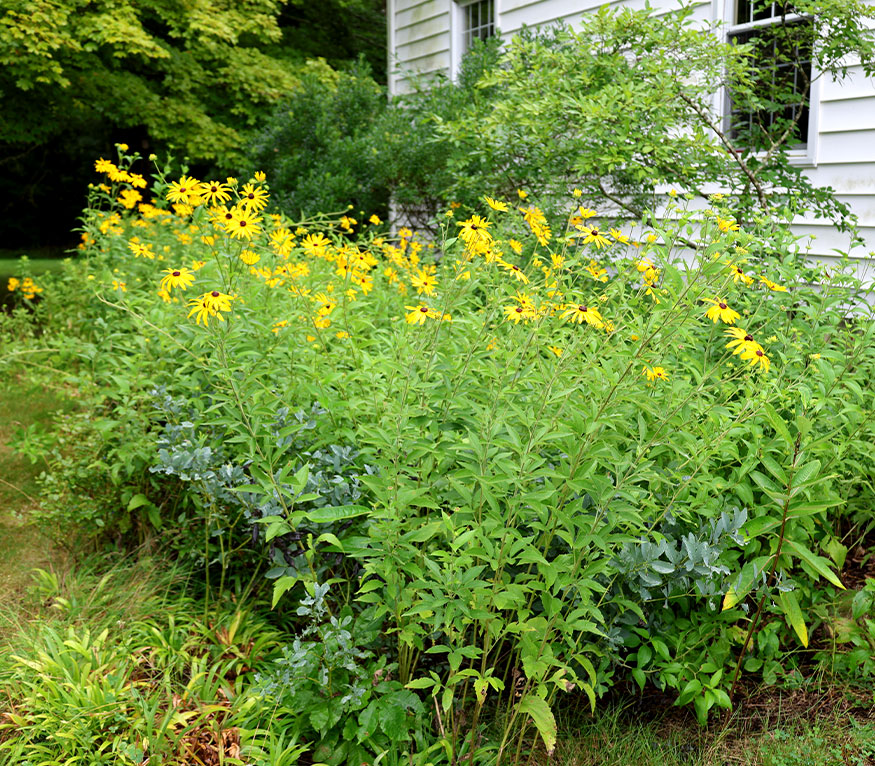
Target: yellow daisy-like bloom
522,194
773,285
719,311
315,245
346,223
129,198
214,192
619,236
424,282
375,220
522,311
654,373
181,278
342,334
726,224
596,272
757,357
577,193
515,245
243,224
104,166
12,284
197,265
140,250
581,313
260,176
326,305
419,314
586,213
555,350
210,304
117,285
253,198
593,236
182,190
742,341
738,275
137,181
475,230
557,260
249,257
501,207
277,326
515,270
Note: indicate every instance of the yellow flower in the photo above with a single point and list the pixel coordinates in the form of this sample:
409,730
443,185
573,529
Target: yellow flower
726,224
375,219
596,272
757,357
346,223
249,257
215,192
741,341
140,250
555,349
719,311
773,285
424,282
253,199
260,176
12,284
654,373
557,260
515,270
210,304
619,236
182,278
586,213
581,313
738,275
594,236
277,326
496,205
522,194
474,231
577,193
516,246
121,286
419,314
104,166
129,198
243,223
182,190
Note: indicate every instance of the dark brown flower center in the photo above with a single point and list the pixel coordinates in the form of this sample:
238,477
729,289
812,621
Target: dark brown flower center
214,189
582,308
759,353
176,274
722,305
424,309
251,195
242,223
215,293
519,309
229,216
748,338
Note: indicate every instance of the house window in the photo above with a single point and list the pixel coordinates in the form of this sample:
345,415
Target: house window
478,21
782,52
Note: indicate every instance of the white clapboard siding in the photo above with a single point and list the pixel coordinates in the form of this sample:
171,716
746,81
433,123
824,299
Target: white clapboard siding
423,38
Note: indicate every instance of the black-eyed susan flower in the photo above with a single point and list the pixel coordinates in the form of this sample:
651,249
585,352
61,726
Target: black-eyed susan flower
742,341
738,274
501,207
619,236
249,257
580,313
253,198
591,235
211,304
419,314
757,357
726,224
773,285
555,350
244,224
214,192
116,285
181,278
515,270
594,271
424,282
515,245
720,311
182,190
475,230
654,373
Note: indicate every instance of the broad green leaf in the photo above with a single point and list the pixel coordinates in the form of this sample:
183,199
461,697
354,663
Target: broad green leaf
545,723
790,607
281,586
335,513
817,563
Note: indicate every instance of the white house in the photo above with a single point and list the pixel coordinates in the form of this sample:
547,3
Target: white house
430,36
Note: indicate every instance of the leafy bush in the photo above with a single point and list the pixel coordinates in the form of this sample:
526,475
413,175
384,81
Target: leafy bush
558,465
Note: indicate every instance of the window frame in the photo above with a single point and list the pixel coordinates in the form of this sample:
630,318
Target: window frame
804,156
458,32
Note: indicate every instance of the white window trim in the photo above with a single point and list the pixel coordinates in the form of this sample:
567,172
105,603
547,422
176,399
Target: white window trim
806,157
457,31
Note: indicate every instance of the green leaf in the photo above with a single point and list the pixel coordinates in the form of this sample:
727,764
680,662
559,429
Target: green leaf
817,563
138,501
778,424
335,513
790,607
542,716
281,586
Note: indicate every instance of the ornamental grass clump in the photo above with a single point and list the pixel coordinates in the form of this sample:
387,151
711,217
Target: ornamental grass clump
582,449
